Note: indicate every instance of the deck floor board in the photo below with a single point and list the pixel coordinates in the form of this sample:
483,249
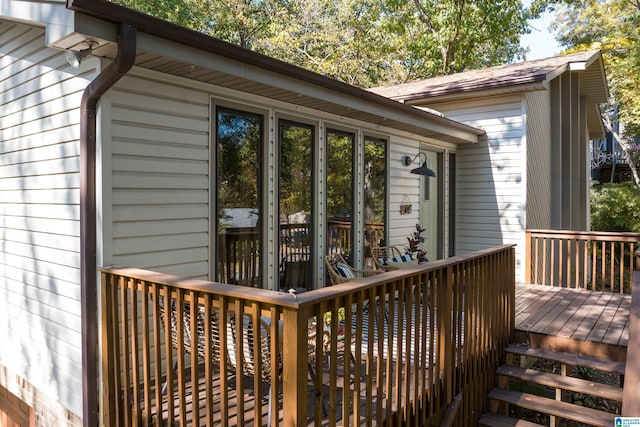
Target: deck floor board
599,318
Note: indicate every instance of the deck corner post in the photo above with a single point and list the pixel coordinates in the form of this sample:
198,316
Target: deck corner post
631,389
294,370
527,257
108,382
445,343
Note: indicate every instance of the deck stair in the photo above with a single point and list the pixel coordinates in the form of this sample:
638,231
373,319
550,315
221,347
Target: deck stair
523,383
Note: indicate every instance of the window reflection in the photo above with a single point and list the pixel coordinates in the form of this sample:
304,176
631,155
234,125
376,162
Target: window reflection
239,136
340,192
375,188
295,204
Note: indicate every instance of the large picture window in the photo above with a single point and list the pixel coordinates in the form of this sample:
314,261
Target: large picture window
295,188
238,198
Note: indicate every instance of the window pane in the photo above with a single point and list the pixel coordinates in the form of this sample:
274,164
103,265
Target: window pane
239,136
340,192
296,190
375,189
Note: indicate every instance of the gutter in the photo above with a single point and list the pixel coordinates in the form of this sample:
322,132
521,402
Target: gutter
122,63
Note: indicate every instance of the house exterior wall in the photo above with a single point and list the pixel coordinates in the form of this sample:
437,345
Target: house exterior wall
539,153
491,176
40,94
570,157
157,173
155,205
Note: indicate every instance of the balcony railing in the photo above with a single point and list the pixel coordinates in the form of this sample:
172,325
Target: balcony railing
394,348
590,260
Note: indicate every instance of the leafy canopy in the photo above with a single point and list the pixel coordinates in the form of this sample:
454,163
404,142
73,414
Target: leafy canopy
615,207
361,42
613,26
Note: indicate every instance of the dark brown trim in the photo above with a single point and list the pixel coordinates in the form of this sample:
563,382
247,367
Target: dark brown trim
114,13
88,261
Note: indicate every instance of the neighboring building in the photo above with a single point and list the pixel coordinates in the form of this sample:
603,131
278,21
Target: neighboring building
182,133
532,170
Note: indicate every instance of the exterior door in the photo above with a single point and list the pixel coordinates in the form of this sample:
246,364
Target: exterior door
429,202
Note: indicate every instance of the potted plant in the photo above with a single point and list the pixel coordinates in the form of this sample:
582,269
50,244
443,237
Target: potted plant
414,245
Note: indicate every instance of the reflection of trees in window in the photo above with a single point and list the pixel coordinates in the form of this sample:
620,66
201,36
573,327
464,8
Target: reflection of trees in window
340,191
296,185
296,198
375,186
239,136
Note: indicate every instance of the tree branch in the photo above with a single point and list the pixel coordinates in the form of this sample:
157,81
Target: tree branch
625,150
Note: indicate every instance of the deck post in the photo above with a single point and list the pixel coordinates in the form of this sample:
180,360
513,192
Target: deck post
630,401
108,383
445,343
527,257
294,371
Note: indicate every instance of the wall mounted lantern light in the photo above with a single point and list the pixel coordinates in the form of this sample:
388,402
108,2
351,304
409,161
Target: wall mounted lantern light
422,170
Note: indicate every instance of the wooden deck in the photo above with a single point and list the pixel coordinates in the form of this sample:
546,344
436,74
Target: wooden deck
233,418
579,321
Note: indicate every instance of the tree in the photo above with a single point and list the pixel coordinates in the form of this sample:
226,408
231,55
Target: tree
615,207
361,42
446,37
613,26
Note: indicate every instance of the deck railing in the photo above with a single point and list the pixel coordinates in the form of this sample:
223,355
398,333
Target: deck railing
631,390
581,259
391,349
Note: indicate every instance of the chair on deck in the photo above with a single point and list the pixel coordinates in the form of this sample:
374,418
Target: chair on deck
384,257
245,358
340,271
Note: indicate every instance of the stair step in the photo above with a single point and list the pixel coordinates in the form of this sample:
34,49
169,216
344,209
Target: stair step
569,358
495,420
578,385
553,407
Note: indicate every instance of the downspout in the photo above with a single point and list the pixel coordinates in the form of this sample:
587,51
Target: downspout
122,63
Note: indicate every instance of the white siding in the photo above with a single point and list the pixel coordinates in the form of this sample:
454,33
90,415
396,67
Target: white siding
491,197
39,214
404,188
160,183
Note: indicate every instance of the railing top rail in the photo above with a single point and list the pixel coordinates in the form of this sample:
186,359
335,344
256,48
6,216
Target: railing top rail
298,301
587,235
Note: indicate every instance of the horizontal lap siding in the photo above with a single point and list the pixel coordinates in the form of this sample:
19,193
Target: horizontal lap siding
404,188
160,182
39,214
491,183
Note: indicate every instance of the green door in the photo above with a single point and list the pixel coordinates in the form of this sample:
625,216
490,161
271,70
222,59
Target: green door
429,202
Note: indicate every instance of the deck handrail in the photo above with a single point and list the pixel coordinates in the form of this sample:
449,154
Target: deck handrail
416,338
631,389
592,260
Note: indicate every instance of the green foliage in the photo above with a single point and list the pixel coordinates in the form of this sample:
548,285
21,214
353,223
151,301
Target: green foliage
446,37
615,207
361,42
613,26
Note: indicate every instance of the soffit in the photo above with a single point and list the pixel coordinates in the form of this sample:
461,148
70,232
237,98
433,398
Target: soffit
169,49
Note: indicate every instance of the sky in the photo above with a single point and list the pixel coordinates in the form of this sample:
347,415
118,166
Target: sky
540,41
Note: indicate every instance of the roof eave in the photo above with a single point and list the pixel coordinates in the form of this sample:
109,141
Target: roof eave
351,95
